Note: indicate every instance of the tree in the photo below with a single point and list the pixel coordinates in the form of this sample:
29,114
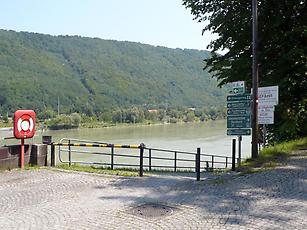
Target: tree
282,52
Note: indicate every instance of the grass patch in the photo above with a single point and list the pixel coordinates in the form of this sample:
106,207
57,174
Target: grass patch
100,170
274,155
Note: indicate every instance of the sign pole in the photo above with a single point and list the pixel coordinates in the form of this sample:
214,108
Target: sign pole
255,82
240,148
22,154
264,134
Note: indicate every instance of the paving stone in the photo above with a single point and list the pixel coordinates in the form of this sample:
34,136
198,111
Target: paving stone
48,199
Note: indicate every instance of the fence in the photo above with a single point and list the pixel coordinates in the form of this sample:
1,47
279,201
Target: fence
139,156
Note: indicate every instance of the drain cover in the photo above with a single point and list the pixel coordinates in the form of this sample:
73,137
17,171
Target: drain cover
152,210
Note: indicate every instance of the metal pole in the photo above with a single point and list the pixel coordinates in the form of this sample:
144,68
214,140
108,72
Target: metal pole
69,153
149,159
22,154
112,158
233,167
197,166
240,148
264,135
175,161
141,159
255,82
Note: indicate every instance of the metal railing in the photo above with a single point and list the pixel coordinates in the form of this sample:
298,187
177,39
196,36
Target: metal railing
145,158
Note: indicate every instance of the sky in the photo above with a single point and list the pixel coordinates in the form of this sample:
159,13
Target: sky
156,22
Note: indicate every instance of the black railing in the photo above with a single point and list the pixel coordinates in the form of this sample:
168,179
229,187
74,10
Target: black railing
144,158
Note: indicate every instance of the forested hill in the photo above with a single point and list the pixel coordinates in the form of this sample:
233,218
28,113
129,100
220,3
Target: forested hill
91,75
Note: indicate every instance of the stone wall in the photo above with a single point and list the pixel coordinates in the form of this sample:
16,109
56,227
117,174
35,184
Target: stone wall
35,154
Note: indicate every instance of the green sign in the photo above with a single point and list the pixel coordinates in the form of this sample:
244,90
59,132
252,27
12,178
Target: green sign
238,132
238,112
239,98
238,90
238,104
238,122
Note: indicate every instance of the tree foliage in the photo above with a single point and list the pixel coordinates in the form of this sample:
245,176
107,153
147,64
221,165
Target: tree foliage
282,52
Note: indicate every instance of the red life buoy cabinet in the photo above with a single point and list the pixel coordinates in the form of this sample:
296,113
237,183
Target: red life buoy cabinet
24,124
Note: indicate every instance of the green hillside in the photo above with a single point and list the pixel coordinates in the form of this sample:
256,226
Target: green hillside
90,75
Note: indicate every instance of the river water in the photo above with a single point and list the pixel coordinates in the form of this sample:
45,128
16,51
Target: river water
209,136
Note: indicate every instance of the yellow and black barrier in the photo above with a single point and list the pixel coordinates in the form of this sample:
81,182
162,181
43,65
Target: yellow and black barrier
98,145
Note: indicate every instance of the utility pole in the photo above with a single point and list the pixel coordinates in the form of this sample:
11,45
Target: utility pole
255,82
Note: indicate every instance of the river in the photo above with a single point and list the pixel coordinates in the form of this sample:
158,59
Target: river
209,136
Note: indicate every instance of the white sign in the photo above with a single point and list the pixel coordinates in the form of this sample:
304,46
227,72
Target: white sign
265,117
266,120
265,108
268,95
238,84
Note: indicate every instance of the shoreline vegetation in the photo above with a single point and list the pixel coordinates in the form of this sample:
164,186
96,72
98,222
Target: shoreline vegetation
123,117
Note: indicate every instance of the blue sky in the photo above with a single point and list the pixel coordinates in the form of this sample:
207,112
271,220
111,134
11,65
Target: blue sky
156,22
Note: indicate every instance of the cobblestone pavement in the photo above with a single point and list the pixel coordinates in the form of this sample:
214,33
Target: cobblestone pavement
48,199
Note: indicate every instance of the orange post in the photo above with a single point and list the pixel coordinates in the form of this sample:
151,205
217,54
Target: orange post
22,153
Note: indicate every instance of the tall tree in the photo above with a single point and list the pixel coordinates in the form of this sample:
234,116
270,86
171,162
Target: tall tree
282,52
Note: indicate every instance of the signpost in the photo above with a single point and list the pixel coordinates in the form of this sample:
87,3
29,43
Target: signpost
242,122
238,113
268,98
238,132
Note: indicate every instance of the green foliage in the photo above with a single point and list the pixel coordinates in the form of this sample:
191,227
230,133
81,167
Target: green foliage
64,121
271,156
91,76
282,53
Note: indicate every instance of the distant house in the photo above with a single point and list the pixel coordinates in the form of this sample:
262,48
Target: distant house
153,111
191,109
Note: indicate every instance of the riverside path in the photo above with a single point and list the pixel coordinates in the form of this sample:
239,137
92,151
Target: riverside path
53,199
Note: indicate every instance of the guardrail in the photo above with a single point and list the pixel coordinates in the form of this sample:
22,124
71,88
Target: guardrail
146,158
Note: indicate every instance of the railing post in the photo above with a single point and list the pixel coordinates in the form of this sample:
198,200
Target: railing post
212,162
112,157
175,161
69,153
52,155
47,140
233,167
142,146
207,166
149,153
226,162
197,164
